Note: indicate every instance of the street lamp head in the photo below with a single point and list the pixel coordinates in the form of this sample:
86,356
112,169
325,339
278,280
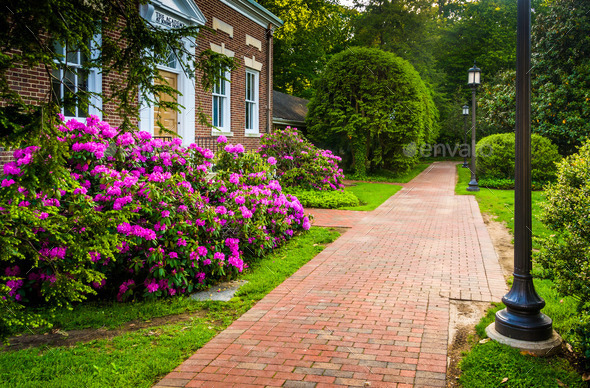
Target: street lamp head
474,76
465,110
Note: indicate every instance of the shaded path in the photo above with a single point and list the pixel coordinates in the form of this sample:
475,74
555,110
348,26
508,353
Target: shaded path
372,309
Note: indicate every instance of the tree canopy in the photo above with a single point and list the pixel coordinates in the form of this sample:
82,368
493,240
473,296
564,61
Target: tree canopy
560,78
313,32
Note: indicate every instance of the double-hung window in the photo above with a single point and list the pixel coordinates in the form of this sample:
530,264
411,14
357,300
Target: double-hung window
72,85
252,102
221,104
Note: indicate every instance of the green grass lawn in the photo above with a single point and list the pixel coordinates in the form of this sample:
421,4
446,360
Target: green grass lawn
500,203
371,195
495,365
390,176
488,364
140,358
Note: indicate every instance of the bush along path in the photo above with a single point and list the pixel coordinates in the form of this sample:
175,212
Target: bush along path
372,308
125,216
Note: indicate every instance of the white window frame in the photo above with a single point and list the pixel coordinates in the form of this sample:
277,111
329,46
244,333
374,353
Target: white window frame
225,127
93,82
252,105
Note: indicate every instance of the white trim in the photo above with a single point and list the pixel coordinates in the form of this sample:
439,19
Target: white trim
93,82
226,98
256,102
262,17
187,12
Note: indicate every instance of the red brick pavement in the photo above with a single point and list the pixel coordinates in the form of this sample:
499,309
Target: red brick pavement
336,218
372,309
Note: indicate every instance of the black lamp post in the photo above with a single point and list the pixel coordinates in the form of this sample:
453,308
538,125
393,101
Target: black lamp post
473,80
465,114
522,318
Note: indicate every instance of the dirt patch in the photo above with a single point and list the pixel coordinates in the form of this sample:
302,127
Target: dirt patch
502,240
58,337
464,315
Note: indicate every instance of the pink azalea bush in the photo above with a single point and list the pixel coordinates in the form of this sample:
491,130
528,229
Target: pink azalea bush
299,163
135,216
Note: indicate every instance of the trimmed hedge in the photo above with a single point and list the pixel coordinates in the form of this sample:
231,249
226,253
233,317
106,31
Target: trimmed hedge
496,155
506,184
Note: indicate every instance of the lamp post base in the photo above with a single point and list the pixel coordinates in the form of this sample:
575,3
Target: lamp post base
465,165
473,186
544,348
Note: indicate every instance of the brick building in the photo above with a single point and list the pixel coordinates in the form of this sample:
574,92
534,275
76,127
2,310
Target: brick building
240,108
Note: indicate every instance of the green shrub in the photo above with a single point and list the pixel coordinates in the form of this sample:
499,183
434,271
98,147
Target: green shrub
299,163
373,104
506,184
324,199
495,157
567,255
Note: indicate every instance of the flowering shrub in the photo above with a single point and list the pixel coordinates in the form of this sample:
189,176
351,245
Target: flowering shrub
136,217
299,163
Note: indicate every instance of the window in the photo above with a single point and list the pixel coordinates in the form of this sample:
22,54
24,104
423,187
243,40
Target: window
252,101
220,107
71,79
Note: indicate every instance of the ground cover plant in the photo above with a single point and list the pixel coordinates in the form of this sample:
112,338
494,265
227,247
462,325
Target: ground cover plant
131,217
371,195
325,199
488,364
140,358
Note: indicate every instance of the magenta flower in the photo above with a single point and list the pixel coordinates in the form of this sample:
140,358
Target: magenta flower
8,182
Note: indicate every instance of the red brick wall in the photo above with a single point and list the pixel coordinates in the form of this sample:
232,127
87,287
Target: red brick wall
241,26
34,84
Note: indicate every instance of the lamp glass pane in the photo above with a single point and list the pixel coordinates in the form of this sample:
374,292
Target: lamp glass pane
477,77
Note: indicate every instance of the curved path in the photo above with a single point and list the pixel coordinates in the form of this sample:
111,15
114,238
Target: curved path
372,309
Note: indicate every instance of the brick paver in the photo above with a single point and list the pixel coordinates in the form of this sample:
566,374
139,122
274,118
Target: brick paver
372,309
336,218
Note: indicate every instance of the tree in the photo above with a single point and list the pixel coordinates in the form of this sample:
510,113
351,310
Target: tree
560,78
406,28
313,32
482,31
374,103
561,73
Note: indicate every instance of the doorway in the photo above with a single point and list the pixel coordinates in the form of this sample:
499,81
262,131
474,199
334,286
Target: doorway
167,117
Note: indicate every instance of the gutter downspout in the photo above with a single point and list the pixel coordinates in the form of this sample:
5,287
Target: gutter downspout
269,41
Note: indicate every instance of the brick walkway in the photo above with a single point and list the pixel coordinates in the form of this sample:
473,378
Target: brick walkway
372,309
336,218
